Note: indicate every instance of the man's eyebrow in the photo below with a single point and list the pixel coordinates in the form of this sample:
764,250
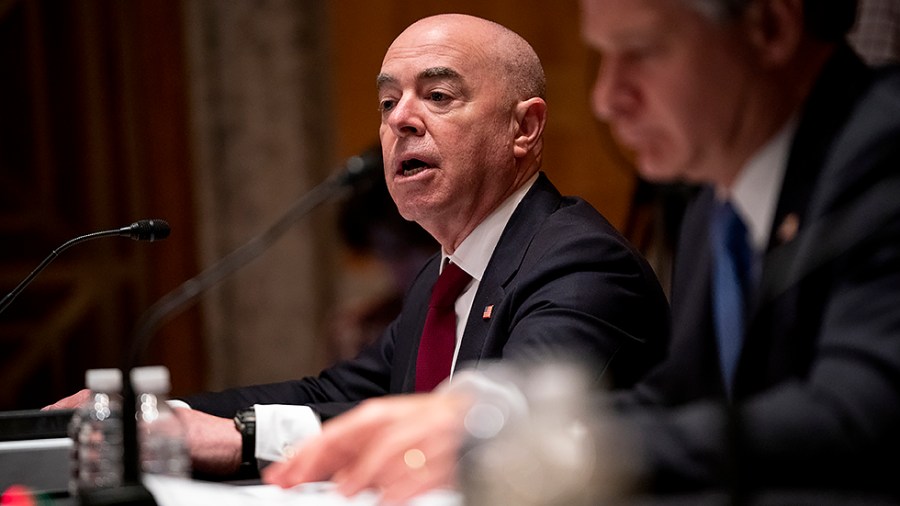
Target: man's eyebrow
384,79
429,73
433,72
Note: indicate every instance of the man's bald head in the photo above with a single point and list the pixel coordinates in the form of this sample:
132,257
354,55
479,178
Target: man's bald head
462,121
518,64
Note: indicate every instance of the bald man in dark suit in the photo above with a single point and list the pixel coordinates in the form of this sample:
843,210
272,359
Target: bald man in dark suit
785,357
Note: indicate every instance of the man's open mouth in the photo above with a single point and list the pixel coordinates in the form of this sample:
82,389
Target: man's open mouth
413,166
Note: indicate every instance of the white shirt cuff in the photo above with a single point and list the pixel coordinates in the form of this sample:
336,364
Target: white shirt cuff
281,428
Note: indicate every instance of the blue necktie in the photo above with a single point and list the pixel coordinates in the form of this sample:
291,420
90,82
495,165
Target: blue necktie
731,283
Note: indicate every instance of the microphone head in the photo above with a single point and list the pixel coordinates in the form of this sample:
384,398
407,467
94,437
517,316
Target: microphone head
358,167
147,230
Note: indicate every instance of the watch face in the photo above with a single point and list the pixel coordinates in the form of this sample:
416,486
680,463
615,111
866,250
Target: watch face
245,419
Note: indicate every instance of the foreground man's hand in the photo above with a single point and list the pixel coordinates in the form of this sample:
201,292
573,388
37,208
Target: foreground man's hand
214,442
401,445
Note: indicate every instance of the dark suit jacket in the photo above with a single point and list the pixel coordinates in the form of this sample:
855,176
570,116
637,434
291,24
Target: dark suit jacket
562,282
817,389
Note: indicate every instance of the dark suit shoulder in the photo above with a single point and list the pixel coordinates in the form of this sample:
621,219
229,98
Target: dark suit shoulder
576,259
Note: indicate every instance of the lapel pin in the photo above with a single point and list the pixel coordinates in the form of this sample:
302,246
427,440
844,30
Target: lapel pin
788,228
486,315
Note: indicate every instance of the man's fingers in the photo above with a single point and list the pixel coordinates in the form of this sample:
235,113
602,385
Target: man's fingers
382,457
428,464
438,472
379,444
335,448
315,461
397,453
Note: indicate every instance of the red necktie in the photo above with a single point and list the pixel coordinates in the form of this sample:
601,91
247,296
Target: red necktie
439,335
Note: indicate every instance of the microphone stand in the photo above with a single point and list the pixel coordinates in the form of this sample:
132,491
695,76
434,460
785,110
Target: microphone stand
133,492
144,230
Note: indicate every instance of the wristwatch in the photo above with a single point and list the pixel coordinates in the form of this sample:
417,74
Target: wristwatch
245,423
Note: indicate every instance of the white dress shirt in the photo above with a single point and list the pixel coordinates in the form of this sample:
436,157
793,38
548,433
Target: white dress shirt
474,253
756,189
281,428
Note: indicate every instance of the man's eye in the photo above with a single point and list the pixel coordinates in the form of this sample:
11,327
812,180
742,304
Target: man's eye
386,105
437,96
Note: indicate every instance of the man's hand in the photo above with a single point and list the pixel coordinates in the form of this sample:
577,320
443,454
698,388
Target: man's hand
214,442
401,445
70,402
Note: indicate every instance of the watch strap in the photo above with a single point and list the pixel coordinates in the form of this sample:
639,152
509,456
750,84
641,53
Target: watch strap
245,423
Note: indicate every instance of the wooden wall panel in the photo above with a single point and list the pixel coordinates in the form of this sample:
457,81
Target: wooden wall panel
93,128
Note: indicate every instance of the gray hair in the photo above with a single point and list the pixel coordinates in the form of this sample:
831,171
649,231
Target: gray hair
829,20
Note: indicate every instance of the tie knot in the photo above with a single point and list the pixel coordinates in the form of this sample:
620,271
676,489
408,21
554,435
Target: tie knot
450,284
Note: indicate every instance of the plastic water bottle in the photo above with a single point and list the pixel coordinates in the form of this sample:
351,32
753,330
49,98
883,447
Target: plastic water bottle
161,436
96,432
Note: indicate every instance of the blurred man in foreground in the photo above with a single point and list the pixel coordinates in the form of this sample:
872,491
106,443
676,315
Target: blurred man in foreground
526,275
784,363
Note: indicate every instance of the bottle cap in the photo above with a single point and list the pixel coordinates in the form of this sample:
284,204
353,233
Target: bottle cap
151,379
103,380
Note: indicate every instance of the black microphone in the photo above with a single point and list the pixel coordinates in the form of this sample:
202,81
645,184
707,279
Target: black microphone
143,230
146,230
354,170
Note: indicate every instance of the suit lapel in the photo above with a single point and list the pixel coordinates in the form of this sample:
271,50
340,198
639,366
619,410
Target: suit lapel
824,114
692,317
415,310
540,201
821,120
810,186
844,209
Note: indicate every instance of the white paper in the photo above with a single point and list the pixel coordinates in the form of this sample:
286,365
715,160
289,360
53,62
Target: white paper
181,492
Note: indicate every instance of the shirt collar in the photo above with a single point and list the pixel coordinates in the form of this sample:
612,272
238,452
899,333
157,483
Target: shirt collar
755,191
474,253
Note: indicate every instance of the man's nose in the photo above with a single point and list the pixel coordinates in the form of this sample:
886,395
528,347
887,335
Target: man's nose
406,118
612,95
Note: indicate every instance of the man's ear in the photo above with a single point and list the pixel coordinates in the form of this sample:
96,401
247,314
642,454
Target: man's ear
530,117
776,30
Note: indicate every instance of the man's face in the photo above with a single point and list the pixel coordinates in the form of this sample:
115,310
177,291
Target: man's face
447,127
672,84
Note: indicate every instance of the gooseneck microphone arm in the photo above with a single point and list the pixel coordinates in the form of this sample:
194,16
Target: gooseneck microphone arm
182,296
143,230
